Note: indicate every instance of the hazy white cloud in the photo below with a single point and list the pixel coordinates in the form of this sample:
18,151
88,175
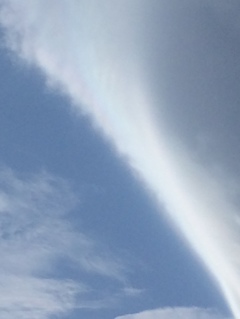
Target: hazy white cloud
95,58
27,297
35,235
131,291
175,313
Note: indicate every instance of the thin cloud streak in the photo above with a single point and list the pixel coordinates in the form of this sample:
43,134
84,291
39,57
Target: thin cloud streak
29,212
29,297
175,313
35,237
94,58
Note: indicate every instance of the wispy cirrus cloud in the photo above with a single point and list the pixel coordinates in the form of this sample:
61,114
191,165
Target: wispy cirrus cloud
36,234
27,296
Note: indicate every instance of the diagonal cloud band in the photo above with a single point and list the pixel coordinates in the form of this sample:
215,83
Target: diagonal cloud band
88,52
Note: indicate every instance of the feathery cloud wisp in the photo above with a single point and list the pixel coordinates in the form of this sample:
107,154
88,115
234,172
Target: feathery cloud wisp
35,234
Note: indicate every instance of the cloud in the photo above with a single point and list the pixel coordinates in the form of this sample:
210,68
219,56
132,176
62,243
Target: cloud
27,297
36,239
175,313
95,58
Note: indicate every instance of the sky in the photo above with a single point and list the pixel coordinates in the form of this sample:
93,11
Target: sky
119,170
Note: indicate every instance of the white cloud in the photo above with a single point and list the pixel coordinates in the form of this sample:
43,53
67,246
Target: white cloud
175,313
27,297
95,57
35,234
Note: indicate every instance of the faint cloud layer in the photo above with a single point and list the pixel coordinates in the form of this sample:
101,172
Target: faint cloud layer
36,239
175,313
27,297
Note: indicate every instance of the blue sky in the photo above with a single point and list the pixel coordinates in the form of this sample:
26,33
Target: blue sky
119,174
